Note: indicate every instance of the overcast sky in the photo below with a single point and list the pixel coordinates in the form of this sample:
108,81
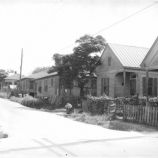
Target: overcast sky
45,27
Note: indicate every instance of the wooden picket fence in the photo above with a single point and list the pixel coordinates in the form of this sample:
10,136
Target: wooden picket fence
141,114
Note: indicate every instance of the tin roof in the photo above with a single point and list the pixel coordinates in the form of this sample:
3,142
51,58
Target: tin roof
41,74
129,56
13,77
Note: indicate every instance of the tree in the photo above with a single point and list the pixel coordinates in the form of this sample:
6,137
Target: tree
39,69
81,64
3,74
64,69
58,59
86,58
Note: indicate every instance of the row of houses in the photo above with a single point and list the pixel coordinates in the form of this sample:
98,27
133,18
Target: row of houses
123,72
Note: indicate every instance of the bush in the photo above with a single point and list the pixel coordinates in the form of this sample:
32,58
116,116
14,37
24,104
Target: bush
14,92
74,101
68,108
33,102
98,105
16,99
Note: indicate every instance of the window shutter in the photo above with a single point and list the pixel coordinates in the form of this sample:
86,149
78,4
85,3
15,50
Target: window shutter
155,87
144,86
107,85
102,86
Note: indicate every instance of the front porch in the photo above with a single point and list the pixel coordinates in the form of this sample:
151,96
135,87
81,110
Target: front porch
128,82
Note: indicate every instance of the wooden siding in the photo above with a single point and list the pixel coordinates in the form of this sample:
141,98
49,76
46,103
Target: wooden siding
51,90
108,71
116,87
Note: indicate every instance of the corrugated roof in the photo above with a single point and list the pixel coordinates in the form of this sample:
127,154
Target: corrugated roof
130,56
13,77
41,74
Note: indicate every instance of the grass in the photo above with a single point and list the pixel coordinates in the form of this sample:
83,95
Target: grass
103,120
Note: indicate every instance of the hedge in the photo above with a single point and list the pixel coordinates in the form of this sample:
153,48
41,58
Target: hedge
99,105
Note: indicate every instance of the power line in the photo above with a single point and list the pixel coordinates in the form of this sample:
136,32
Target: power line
116,23
124,19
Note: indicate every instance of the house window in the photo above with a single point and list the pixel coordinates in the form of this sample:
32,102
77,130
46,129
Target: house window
109,61
132,84
31,84
45,85
152,87
105,86
52,80
40,87
35,87
23,85
94,87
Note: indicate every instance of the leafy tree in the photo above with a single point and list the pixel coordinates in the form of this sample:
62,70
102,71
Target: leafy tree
39,69
86,59
81,64
64,69
3,74
58,59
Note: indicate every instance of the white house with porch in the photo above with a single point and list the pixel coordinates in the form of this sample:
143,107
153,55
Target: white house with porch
124,69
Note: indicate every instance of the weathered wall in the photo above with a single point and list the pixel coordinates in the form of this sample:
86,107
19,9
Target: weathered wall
106,71
52,90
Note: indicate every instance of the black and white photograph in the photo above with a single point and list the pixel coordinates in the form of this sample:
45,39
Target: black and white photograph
78,78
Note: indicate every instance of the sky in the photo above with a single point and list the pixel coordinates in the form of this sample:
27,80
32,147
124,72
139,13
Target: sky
45,27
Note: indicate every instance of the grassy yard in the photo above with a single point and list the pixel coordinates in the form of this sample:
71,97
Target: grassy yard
103,120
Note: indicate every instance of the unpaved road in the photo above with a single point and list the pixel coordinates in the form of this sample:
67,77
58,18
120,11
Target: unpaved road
33,133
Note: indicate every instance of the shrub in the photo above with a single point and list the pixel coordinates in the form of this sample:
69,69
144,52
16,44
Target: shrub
68,108
33,102
153,101
98,105
16,99
14,92
74,101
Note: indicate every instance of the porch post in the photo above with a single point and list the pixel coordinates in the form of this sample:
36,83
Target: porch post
124,82
147,79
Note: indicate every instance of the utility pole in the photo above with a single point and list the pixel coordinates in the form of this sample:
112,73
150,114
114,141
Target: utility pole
21,69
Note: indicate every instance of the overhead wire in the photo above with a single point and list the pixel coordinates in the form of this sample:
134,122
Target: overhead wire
115,23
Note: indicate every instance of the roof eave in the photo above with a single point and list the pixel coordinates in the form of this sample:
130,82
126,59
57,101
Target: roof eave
149,51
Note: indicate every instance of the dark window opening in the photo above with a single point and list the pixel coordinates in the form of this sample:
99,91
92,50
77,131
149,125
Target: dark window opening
109,61
105,86
152,87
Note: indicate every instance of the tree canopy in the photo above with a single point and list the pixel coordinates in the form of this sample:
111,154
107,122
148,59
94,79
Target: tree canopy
80,65
3,74
39,69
